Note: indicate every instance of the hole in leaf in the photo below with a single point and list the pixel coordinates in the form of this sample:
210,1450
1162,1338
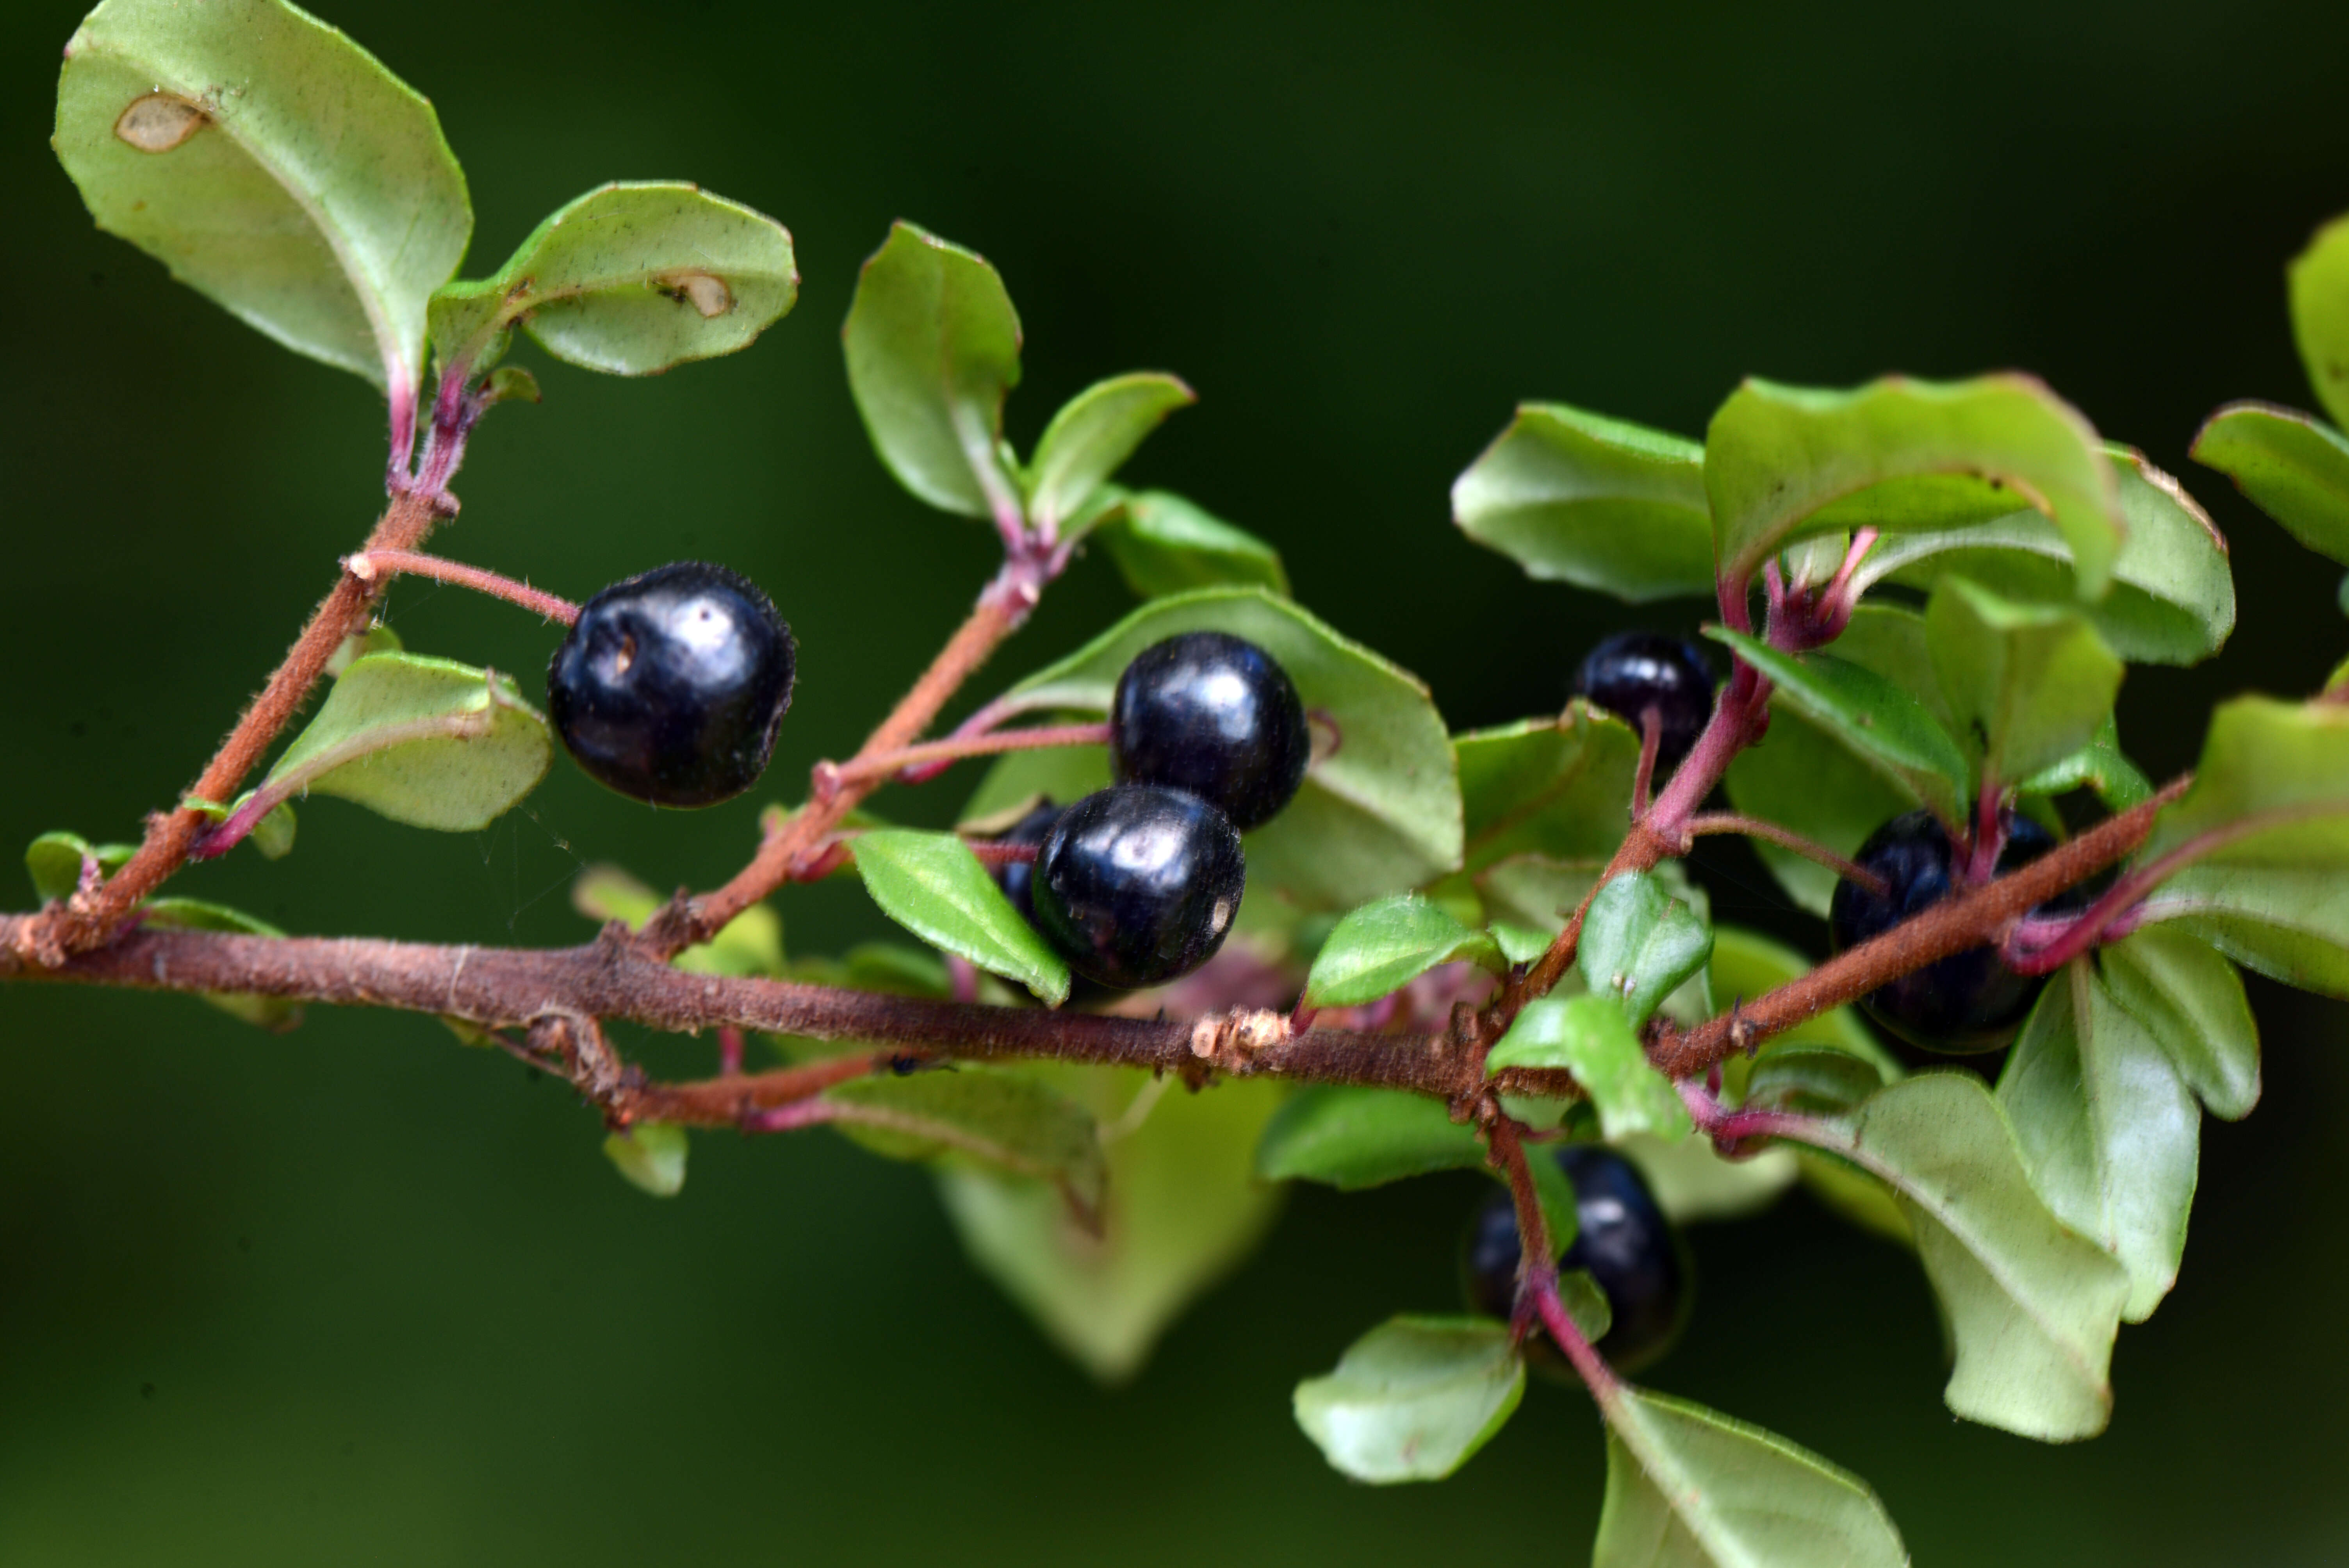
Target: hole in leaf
159,122
705,293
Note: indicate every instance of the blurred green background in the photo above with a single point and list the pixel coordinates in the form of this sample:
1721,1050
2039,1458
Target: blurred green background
357,1296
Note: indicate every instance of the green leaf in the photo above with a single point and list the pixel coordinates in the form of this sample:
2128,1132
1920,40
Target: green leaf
1182,1210
2190,1000
2263,840
1639,943
1413,1398
275,1014
2292,466
1577,498
1527,898
933,885
933,348
1692,1182
1810,1080
1803,777
1782,463
2031,683
2172,599
1382,813
2110,1133
274,166
2032,1306
630,279
1164,544
2320,316
1589,1036
2099,765
1557,787
1883,724
428,742
54,863
1384,947
373,640
751,943
1006,1119
1690,1488
651,1155
1351,1139
1091,438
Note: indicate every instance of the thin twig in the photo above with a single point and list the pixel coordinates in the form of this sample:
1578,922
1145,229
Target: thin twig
370,563
876,768
1711,822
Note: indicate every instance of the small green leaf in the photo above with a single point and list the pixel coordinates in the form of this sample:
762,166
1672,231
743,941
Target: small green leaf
2099,765
1381,947
1690,1488
1579,497
273,165
273,835
1413,1398
629,279
54,863
933,348
1165,544
2110,1133
2190,1000
751,943
2029,683
933,885
1007,1120
2172,599
1883,724
1183,1209
2031,1305
1091,438
651,1155
1784,462
2320,316
1531,896
373,640
275,1014
428,742
1382,812
1557,787
1589,1036
1639,943
2262,838
1351,1139
2292,465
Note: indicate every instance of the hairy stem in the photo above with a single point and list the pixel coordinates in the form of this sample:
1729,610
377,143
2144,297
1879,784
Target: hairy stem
1709,822
369,564
874,768
92,917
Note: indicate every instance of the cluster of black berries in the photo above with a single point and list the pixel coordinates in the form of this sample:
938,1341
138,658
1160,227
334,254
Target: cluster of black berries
1137,884
1633,1253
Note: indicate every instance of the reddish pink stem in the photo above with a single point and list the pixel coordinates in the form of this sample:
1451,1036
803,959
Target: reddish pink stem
928,759
367,565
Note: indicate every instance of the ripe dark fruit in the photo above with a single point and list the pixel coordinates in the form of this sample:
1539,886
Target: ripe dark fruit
670,687
1016,878
1969,1002
1217,717
1631,672
1624,1240
1137,885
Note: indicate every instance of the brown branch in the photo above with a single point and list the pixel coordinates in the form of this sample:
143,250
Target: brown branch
999,612
1970,920
90,918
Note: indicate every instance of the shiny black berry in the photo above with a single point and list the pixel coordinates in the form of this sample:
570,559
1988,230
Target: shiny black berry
1624,1240
1215,716
1137,885
1969,1002
1631,672
1016,878
670,687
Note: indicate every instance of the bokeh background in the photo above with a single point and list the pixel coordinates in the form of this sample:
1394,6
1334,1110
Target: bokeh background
357,1295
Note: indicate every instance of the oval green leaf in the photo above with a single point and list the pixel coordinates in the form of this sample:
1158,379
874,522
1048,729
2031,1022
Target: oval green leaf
1639,944
651,1155
428,742
629,279
1574,497
1589,1036
1165,544
2292,466
1001,1119
1091,438
54,861
1560,788
1351,1139
2029,684
1384,947
933,885
2320,316
274,166
1413,1398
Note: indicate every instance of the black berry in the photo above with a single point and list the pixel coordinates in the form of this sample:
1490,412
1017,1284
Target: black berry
1136,886
1631,672
1624,1240
1016,878
1215,716
670,687
1969,1002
